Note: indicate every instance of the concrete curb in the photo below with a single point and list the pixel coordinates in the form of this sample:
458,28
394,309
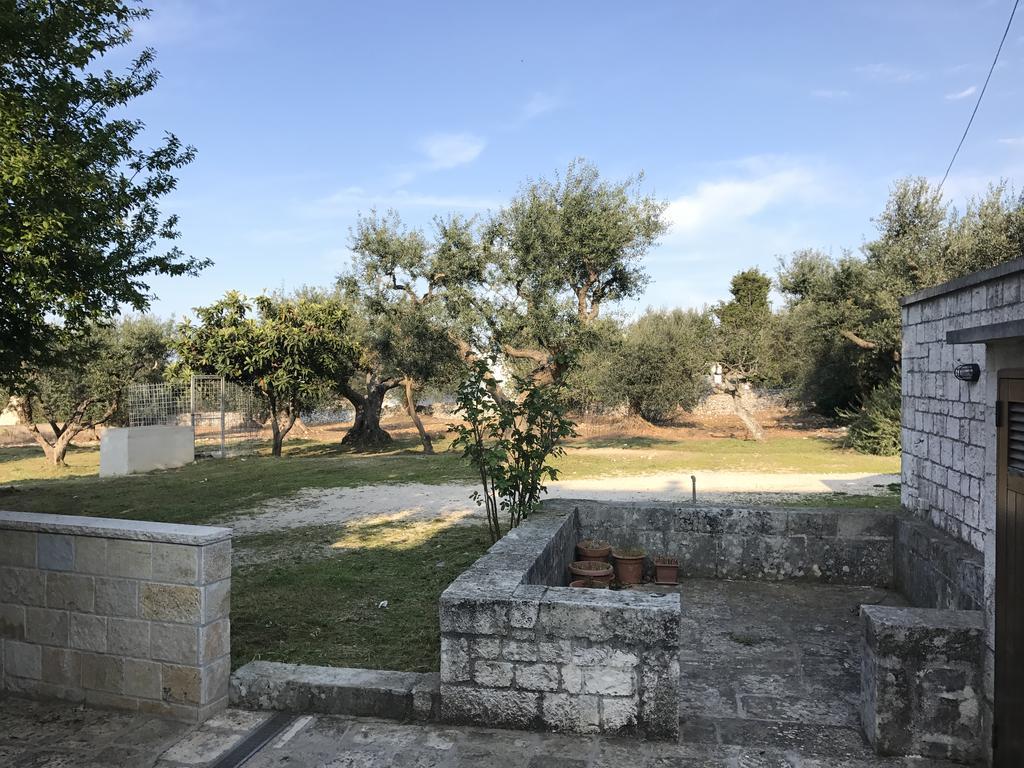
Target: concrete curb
262,685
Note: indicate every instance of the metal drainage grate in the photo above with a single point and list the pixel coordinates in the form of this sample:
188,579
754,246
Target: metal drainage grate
240,753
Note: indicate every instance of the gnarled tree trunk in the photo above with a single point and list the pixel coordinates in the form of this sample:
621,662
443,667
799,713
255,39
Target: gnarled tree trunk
56,448
366,433
282,419
734,389
410,404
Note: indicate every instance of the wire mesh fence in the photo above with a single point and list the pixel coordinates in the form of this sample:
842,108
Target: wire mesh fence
227,418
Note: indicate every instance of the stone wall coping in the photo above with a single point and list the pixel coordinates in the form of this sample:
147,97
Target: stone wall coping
615,598
966,281
923,618
109,528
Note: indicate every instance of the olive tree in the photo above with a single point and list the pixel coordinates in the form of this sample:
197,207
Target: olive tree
287,349
83,385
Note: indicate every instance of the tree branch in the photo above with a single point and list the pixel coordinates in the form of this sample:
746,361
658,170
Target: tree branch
862,343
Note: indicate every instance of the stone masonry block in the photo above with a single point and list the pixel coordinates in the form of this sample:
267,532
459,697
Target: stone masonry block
12,622
214,640
70,591
618,714
62,666
455,659
176,563
610,682
117,597
88,632
56,552
90,555
142,678
176,643
103,673
537,677
130,637
46,626
130,559
23,660
215,680
505,708
180,685
493,674
24,586
171,603
216,562
571,714
18,548
216,601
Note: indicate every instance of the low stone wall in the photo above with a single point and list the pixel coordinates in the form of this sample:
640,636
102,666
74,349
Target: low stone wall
126,451
517,653
116,613
846,546
921,681
934,570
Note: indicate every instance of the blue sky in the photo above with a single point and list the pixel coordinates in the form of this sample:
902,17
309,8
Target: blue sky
766,126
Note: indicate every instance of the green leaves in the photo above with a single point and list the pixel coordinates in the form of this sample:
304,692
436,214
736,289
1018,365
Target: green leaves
81,228
509,442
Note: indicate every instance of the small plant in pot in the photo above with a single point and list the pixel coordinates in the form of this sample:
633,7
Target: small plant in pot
629,565
666,570
594,570
594,549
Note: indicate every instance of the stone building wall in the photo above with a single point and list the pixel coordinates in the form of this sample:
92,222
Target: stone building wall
948,425
116,613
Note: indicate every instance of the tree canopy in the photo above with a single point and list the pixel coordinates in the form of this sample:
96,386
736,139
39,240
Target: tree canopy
81,227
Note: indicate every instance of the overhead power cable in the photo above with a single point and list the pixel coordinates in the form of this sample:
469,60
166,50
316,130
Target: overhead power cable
981,95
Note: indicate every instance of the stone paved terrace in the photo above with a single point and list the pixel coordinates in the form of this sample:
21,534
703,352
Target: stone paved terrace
772,675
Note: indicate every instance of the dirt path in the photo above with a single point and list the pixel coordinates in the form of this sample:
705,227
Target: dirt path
418,501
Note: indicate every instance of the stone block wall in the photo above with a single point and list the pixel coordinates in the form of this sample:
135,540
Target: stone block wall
527,655
114,613
948,426
820,545
934,570
921,682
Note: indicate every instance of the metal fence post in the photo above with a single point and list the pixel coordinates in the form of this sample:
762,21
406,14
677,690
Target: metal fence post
223,452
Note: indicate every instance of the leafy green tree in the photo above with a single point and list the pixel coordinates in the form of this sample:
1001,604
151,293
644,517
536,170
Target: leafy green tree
83,386
745,341
80,228
556,255
510,441
287,349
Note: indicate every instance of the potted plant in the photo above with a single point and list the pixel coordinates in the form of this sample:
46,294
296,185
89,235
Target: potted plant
594,549
666,570
629,565
593,570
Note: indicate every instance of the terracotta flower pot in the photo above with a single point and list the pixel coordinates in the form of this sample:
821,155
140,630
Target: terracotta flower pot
593,549
629,566
593,570
588,584
666,570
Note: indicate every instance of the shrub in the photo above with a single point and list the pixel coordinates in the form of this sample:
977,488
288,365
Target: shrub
875,427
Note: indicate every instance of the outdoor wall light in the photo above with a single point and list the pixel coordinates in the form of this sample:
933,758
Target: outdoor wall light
968,372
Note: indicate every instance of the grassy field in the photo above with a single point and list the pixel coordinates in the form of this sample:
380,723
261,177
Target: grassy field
210,489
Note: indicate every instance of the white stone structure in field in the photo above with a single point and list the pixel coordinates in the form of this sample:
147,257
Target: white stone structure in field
141,449
955,475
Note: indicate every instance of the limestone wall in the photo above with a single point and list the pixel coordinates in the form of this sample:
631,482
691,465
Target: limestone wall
116,613
528,655
948,425
846,546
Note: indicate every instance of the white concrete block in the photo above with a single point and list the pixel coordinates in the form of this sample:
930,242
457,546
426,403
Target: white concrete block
141,449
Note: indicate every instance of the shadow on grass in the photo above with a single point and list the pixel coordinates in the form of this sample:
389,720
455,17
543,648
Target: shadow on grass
625,442
328,608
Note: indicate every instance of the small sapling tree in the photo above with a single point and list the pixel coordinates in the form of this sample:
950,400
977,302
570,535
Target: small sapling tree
510,442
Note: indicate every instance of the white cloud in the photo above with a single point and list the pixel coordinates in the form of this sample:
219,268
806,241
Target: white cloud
969,91
830,93
1013,141
714,204
449,150
888,73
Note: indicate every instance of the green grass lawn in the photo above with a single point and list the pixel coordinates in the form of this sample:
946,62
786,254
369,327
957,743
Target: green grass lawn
320,602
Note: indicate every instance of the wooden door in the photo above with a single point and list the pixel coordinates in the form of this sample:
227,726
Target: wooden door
1008,734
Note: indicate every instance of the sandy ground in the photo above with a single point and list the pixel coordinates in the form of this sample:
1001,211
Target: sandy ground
417,501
